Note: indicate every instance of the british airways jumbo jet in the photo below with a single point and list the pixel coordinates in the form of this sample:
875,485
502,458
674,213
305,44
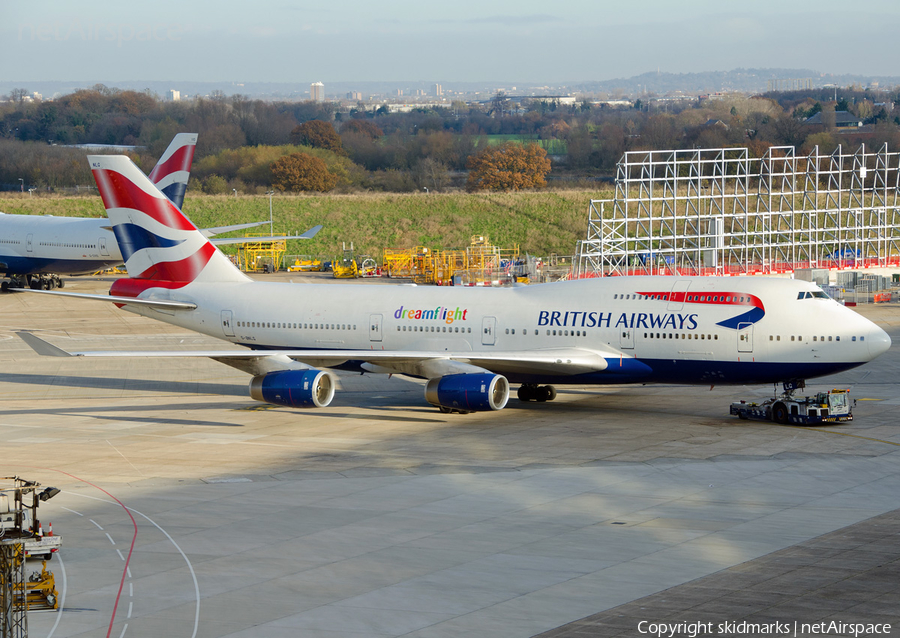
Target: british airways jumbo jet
469,343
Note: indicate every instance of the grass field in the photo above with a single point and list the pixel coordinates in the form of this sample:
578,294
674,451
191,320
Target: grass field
541,223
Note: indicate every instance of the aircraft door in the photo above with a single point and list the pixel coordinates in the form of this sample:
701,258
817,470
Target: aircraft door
103,249
626,338
227,323
375,327
676,295
488,331
745,337
29,243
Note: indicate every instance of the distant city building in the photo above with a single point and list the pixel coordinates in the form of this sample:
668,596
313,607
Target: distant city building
842,119
317,92
438,90
355,95
173,95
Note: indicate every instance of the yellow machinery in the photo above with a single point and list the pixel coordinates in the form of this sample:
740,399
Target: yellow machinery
21,535
40,590
305,263
481,263
261,256
345,267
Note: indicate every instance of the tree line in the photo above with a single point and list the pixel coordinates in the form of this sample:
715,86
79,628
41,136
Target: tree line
252,145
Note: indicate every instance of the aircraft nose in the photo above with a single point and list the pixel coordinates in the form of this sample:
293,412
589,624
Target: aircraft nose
879,341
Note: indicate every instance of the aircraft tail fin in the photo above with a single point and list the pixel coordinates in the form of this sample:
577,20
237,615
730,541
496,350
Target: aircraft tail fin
162,248
173,169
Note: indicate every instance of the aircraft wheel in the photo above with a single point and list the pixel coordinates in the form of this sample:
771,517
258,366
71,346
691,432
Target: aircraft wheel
4,286
527,392
444,410
551,392
780,413
60,283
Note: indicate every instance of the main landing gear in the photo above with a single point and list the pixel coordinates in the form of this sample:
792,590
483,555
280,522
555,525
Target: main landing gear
534,392
35,282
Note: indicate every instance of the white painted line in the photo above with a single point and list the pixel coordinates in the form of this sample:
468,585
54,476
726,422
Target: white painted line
124,629
177,547
73,511
128,569
62,596
119,552
110,538
131,588
96,523
130,605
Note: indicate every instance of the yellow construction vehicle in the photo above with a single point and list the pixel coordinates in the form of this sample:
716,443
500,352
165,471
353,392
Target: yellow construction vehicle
345,267
305,263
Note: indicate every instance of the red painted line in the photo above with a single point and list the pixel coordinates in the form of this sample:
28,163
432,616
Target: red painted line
130,549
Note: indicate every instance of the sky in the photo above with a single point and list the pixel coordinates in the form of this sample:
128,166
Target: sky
559,42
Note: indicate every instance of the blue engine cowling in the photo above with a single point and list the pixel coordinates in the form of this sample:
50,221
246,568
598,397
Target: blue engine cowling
468,392
294,388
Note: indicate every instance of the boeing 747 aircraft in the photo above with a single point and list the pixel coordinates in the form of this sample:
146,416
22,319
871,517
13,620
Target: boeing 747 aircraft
469,343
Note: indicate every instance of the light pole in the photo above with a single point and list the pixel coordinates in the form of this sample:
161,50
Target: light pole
271,225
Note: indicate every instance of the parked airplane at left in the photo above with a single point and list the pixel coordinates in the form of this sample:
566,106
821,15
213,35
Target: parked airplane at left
36,249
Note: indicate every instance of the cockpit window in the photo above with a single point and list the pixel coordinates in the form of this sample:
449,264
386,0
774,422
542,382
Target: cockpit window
816,294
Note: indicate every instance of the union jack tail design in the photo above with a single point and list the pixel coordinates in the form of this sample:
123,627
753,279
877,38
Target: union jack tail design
173,169
162,248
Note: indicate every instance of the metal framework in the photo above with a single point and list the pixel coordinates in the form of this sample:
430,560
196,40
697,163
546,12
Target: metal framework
722,212
13,616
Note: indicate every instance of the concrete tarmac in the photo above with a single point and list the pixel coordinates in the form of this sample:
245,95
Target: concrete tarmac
188,509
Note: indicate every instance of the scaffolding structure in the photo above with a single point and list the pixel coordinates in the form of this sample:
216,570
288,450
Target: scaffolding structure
722,212
481,263
266,255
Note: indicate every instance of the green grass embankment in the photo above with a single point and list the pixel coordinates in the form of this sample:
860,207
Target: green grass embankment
541,222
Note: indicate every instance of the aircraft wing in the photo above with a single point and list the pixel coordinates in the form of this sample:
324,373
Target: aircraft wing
218,230
427,364
221,241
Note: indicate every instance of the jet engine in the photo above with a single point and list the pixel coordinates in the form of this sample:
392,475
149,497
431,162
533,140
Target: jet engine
468,392
294,388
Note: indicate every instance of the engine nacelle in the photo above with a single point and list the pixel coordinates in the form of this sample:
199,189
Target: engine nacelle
468,392
294,388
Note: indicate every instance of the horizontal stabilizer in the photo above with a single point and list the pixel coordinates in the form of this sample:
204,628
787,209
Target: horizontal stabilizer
131,301
42,347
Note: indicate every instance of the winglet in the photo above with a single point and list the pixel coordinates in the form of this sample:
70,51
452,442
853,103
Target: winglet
42,347
311,232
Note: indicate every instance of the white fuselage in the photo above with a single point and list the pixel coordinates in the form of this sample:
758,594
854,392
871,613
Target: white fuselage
31,244
686,330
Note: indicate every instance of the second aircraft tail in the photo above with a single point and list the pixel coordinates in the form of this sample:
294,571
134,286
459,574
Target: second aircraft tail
162,248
